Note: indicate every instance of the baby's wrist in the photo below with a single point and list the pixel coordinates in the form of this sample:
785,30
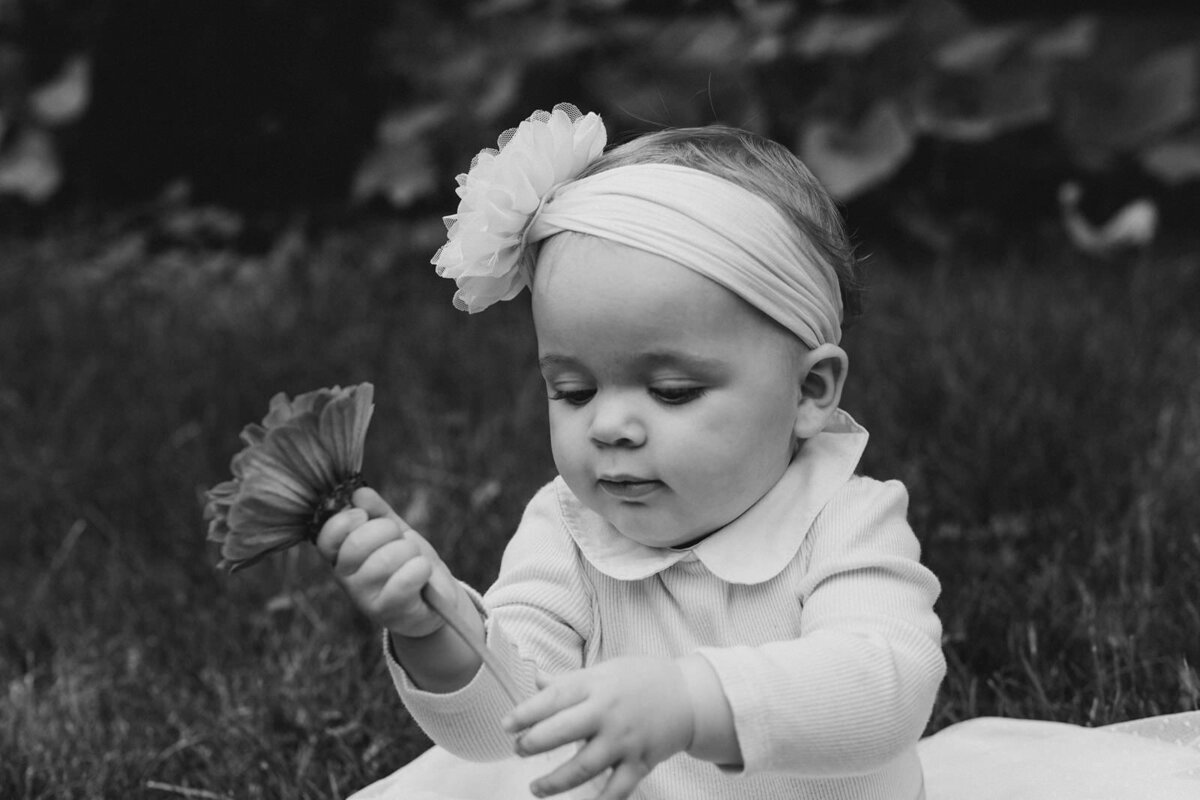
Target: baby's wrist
714,737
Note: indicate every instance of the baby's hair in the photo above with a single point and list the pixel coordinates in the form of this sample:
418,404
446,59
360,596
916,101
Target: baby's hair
764,167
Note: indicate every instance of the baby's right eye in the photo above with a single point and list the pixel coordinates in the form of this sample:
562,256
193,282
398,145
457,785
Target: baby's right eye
574,397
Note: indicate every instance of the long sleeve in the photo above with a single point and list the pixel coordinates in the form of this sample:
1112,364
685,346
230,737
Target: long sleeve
830,661
538,616
855,689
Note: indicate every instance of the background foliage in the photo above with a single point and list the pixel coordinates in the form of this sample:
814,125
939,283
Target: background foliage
939,108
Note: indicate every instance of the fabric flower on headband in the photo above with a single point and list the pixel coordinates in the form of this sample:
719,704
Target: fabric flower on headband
298,468
499,195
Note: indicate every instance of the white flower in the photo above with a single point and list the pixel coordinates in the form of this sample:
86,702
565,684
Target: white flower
498,197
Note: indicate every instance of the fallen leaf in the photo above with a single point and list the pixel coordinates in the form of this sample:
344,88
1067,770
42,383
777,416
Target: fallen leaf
30,168
848,160
981,48
1176,159
838,34
981,105
1075,38
65,98
1117,110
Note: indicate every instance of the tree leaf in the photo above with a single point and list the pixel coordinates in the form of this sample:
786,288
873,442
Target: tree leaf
981,48
1132,226
839,34
646,91
849,159
708,41
65,98
30,168
539,37
978,106
768,15
930,22
497,92
1174,160
487,8
1075,38
1118,110
402,126
401,169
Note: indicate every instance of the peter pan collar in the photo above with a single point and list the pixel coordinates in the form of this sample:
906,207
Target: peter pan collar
753,548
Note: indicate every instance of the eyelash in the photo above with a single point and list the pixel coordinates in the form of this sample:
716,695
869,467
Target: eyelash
672,397
678,396
574,398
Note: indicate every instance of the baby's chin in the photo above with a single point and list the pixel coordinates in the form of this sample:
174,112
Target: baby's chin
655,536
650,526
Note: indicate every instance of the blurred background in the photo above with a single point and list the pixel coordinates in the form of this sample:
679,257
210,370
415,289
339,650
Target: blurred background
920,110
205,202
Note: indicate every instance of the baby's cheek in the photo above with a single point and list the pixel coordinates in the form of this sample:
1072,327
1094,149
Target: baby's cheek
563,447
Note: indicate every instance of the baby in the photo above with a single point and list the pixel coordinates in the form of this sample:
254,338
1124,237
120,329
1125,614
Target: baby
707,602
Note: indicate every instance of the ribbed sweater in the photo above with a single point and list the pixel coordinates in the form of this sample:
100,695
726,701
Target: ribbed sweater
827,646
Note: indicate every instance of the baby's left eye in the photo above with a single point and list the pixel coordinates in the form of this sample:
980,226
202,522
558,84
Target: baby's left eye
676,395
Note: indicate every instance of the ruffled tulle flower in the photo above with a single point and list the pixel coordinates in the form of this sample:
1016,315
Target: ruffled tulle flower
485,250
298,468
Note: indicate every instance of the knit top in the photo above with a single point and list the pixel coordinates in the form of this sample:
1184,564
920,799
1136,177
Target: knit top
812,608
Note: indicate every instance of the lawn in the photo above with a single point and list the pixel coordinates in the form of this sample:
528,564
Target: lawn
1043,410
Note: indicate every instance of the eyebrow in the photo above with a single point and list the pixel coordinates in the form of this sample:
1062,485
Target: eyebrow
654,358
554,360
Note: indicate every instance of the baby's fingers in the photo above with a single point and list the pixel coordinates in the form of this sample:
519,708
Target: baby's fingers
590,761
568,725
550,700
368,538
624,779
335,530
369,501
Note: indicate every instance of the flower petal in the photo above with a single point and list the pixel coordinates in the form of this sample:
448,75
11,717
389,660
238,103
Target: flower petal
498,196
253,433
237,554
261,508
279,411
343,428
220,500
303,460
298,448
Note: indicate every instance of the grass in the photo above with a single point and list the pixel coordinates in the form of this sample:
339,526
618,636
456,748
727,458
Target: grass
1043,410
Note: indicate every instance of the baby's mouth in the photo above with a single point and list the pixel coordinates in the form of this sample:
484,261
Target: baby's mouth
623,488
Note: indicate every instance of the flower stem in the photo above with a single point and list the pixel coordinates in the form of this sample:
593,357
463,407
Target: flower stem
445,609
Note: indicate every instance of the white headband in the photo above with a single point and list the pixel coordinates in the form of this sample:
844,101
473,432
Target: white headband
712,226
527,190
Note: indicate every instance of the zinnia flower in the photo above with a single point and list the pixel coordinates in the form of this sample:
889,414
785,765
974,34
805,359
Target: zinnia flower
485,248
298,468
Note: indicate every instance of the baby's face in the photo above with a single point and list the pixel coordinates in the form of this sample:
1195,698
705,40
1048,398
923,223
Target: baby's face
672,401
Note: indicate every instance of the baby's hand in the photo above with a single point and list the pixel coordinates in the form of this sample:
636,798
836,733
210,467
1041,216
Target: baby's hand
383,564
632,713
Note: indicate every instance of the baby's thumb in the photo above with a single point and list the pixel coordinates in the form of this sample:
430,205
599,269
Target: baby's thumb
369,501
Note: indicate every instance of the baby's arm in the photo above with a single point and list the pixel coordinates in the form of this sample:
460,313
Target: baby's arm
855,690
537,617
605,708
384,565
630,713
849,695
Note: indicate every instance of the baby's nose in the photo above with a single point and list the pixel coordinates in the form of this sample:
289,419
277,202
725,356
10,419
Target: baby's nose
615,423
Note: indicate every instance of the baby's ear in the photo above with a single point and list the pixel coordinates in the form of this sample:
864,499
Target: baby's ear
822,376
